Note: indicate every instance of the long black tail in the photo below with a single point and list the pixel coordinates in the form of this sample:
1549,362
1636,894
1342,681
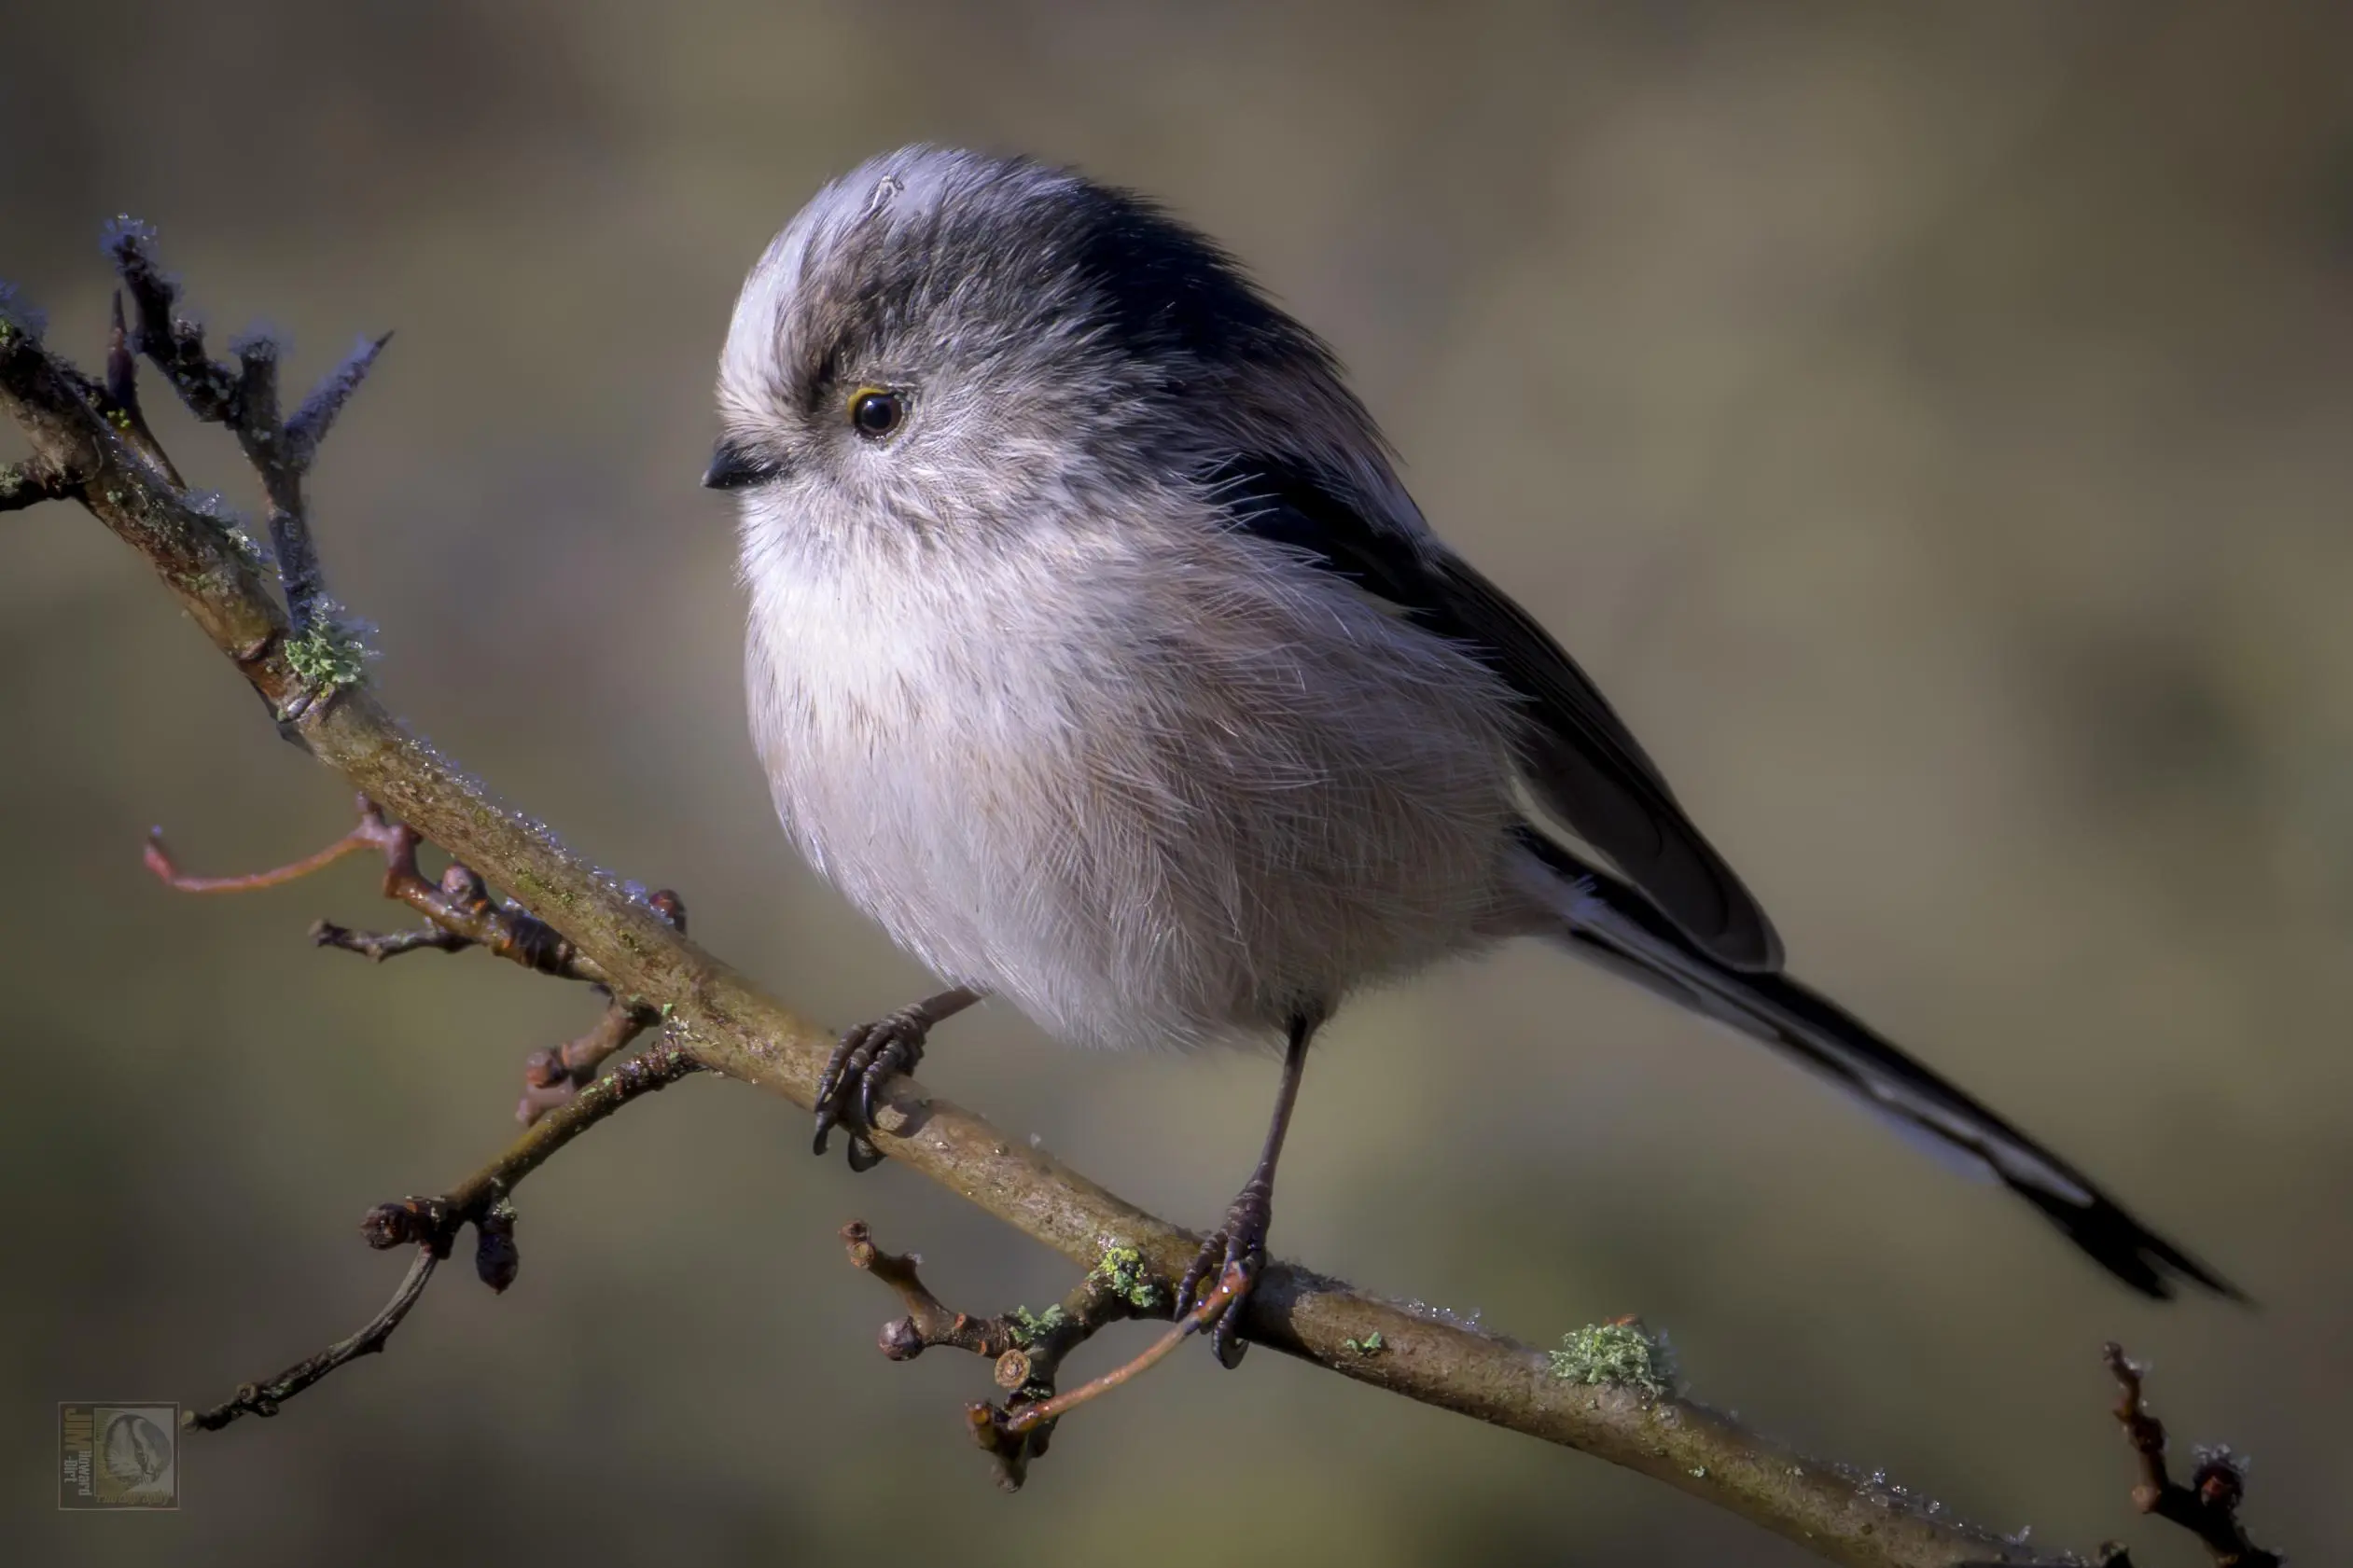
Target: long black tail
1607,922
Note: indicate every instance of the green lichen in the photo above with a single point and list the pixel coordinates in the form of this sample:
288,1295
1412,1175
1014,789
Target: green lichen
1029,1327
1618,1354
1370,1345
1122,1270
328,657
536,889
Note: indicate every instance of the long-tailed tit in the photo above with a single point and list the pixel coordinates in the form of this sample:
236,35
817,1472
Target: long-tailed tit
1098,653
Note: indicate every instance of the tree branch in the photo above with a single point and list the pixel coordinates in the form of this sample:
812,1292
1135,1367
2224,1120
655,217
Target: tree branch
322,703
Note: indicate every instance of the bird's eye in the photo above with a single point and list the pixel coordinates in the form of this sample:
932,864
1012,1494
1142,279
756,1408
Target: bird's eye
875,412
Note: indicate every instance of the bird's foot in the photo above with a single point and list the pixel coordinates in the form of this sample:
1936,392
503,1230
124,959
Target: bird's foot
867,1058
1239,1243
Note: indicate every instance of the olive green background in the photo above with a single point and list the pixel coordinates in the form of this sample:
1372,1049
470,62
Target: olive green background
1932,425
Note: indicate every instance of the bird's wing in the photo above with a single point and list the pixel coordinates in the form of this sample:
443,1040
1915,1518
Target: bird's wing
1578,756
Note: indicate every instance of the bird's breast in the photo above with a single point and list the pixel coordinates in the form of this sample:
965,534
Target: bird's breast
1147,799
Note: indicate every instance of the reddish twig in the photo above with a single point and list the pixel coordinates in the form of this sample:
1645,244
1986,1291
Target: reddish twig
158,860
1194,1321
2208,1508
461,914
459,904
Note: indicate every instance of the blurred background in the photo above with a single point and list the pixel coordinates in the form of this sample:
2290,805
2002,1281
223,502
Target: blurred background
1930,423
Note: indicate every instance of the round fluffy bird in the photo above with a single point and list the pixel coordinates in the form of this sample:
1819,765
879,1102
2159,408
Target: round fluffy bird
1098,653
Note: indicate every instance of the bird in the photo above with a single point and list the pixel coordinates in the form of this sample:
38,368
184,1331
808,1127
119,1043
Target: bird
1095,651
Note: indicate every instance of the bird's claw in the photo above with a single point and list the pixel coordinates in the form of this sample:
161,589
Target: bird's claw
1240,1245
867,1058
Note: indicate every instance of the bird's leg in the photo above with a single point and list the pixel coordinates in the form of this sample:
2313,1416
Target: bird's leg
1241,1241
867,1058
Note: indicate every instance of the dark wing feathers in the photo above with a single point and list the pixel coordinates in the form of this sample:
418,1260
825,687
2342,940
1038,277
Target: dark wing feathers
1581,761
1604,923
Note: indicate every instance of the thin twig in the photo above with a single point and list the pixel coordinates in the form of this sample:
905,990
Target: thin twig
462,916
554,1077
2208,1508
640,1075
174,342
158,860
928,1323
459,904
310,423
1202,1314
484,1200
1028,1348
245,400
264,1398
121,397
381,945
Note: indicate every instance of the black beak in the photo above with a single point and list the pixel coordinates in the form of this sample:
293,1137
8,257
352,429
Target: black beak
734,465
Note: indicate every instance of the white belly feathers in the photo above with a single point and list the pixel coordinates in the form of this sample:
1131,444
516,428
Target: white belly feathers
1164,825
